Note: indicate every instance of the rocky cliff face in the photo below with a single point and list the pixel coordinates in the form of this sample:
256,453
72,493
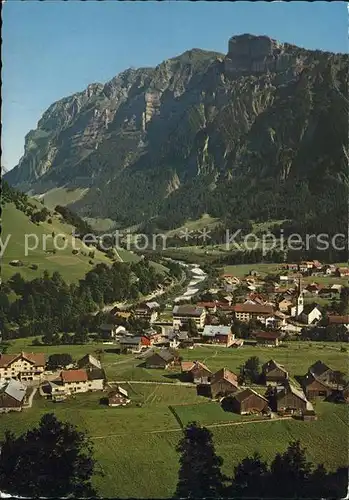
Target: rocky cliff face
197,133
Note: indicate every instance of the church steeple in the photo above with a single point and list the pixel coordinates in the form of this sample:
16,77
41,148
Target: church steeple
300,300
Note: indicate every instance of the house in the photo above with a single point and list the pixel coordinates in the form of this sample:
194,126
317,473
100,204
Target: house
342,272
284,305
291,399
311,314
134,343
272,339
292,267
153,335
183,313
274,373
314,387
211,307
246,312
118,397
147,311
223,383
329,269
196,372
107,330
249,401
160,359
81,380
12,395
89,362
218,334
24,366
338,321
277,320
322,372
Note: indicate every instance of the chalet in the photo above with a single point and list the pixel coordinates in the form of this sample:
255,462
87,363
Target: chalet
223,383
342,272
89,362
249,401
24,366
218,334
210,307
284,305
107,330
118,397
328,269
339,320
311,314
160,359
12,395
81,380
275,321
183,313
314,387
196,372
291,399
270,339
134,343
147,311
322,372
274,373
328,292
246,312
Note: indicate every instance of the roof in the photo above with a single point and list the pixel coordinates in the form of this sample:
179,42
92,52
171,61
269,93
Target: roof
213,330
74,375
187,310
296,392
108,327
267,335
89,359
271,365
188,366
225,374
309,379
338,320
163,354
318,368
308,308
253,308
95,374
15,389
37,359
130,340
246,393
206,304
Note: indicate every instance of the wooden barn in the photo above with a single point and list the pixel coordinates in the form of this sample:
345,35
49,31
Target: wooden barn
249,401
161,359
291,399
196,372
274,373
314,388
223,383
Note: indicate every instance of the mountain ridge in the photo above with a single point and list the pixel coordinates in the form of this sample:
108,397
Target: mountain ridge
199,131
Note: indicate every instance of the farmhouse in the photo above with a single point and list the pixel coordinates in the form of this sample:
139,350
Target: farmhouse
182,315
89,362
274,373
270,339
246,312
223,383
339,320
248,401
285,305
196,372
12,395
314,388
147,311
24,366
73,381
291,399
218,334
161,359
129,344
118,397
321,372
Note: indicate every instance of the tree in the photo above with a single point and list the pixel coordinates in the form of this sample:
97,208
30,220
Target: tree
290,472
192,328
54,460
250,478
250,371
199,474
56,361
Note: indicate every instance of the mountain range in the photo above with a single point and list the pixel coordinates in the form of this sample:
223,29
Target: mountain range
259,133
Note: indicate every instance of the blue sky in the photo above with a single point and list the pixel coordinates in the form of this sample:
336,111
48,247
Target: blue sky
54,48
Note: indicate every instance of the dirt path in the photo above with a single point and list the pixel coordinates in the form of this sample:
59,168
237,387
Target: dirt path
211,426
151,382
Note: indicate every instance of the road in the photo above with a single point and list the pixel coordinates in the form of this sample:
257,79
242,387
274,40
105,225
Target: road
178,429
151,382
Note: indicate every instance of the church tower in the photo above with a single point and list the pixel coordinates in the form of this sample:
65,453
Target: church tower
300,299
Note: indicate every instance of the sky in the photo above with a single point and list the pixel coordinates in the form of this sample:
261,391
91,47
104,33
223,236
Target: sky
53,48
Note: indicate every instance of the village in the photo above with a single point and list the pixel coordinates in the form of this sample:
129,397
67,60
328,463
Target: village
234,314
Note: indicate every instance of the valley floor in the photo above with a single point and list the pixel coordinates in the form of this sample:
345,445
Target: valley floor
135,445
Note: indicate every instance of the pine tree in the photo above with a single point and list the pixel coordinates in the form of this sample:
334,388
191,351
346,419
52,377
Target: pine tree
199,475
250,478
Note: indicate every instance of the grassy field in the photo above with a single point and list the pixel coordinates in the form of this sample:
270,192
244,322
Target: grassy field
61,196
16,225
135,446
